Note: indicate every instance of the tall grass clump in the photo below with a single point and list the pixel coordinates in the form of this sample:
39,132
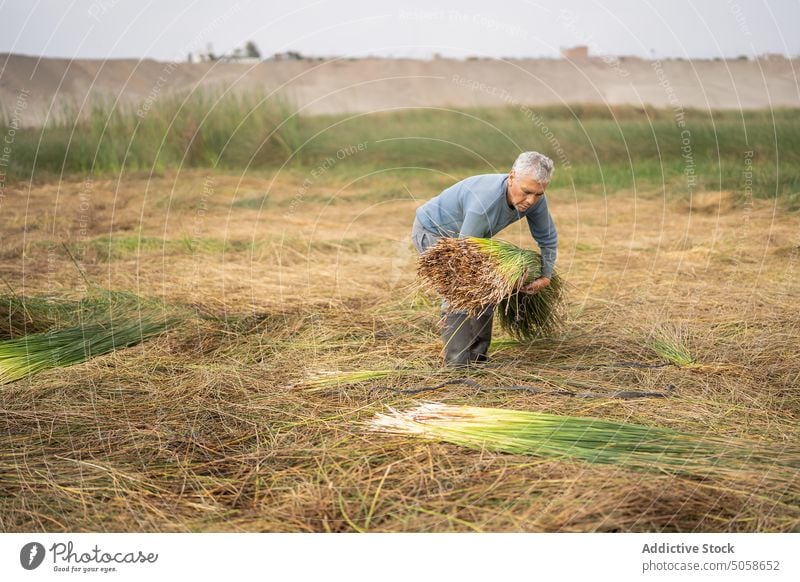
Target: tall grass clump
591,440
209,128
600,149
473,274
33,353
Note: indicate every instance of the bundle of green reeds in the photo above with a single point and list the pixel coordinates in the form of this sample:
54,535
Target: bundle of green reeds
25,315
475,273
588,439
333,379
20,316
27,355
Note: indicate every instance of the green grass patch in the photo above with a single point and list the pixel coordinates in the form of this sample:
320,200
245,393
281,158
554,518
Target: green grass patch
596,149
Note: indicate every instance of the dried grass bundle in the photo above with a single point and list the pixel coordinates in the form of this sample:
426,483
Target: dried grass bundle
475,273
27,355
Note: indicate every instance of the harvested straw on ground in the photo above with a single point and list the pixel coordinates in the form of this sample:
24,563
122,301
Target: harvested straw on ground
587,439
475,273
25,315
27,355
20,316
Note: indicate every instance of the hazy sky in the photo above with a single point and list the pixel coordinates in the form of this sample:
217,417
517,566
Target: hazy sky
168,30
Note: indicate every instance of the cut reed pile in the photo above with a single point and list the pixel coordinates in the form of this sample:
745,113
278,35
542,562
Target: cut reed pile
23,315
473,274
33,353
591,440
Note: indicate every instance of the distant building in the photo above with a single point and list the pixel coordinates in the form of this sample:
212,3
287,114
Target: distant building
287,56
575,53
772,57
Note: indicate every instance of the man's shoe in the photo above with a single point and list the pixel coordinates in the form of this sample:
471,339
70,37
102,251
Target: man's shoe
480,360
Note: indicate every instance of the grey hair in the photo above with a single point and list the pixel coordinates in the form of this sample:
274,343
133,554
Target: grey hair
533,164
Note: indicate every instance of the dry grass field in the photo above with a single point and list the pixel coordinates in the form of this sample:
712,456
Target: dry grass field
243,417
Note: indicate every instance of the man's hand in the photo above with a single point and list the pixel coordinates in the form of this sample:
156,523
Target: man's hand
536,285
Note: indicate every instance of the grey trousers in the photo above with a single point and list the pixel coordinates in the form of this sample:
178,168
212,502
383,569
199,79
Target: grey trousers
466,339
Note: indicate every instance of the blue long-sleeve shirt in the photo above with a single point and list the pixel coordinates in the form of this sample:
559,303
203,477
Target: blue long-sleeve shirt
477,206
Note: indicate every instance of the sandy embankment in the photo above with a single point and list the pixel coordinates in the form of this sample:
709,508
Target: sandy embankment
349,85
